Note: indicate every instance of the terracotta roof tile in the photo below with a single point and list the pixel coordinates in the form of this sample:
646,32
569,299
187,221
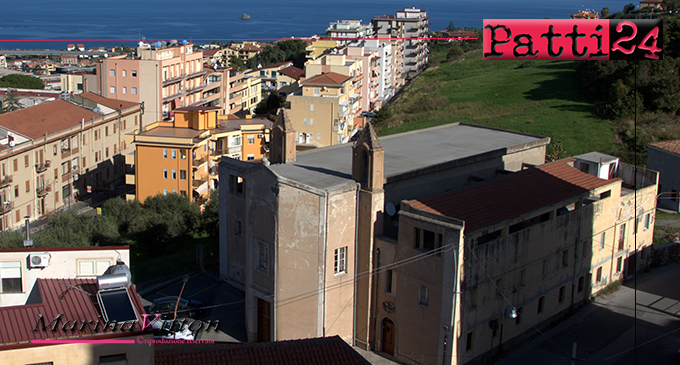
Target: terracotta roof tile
108,102
328,350
293,72
328,78
50,117
509,197
671,146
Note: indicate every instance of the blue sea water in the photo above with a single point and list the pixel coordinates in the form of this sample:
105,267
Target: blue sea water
33,22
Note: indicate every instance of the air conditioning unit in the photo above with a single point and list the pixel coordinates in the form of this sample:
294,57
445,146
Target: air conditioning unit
39,260
260,136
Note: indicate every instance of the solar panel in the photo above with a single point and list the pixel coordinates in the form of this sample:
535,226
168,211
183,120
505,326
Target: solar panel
116,305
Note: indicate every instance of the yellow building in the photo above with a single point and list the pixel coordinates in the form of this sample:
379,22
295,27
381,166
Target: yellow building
47,162
244,51
180,156
318,48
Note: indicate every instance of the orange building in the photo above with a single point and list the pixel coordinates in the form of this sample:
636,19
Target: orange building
180,156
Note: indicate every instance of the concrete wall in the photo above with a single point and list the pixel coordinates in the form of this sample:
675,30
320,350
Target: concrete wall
324,114
150,164
666,163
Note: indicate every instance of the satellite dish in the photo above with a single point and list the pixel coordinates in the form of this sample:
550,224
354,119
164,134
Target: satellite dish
12,143
390,209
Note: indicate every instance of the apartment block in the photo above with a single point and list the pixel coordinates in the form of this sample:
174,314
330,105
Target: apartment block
181,156
269,76
371,86
244,51
58,151
163,76
350,30
412,25
503,257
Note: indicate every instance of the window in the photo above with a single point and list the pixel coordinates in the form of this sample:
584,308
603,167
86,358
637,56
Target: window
10,275
424,299
236,185
124,73
648,219
165,191
237,228
134,91
112,73
311,121
618,264
112,89
165,173
182,174
250,157
316,92
174,153
565,258
469,340
124,90
602,237
598,276
389,282
545,268
518,319
251,139
74,142
174,174
133,73
165,153
108,359
622,236
28,186
585,167
318,136
263,255
96,135
560,297
107,152
427,240
26,161
96,156
92,267
182,153
581,284
341,260
541,302
311,107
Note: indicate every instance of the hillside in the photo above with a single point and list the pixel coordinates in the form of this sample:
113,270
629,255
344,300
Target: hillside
538,97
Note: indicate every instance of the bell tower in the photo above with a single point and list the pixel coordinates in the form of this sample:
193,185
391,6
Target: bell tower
282,141
368,160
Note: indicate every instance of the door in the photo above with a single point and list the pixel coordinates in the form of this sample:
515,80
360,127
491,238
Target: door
388,337
263,321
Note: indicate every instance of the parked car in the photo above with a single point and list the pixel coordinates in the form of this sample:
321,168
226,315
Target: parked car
166,307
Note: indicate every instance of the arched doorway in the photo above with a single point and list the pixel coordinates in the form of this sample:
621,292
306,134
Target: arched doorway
388,336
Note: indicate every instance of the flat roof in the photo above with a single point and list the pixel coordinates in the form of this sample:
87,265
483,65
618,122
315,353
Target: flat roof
596,157
171,132
327,167
228,125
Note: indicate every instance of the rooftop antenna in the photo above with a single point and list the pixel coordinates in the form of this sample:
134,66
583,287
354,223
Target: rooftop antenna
71,286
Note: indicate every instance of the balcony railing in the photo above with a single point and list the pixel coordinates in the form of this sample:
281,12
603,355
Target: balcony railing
43,190
195,89
234,149
200,161
6,181
195,74
173,80
6,207
197,182
42,167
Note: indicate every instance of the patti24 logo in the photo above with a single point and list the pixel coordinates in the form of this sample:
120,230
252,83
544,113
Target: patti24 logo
573,39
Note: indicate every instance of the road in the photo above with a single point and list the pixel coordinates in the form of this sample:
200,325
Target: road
638,324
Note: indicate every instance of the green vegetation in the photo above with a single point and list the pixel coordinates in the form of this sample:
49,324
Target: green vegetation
162,232
10,103
613,287
289,50
19,81
541,97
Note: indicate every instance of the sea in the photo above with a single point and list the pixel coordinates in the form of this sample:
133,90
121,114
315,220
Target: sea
43,24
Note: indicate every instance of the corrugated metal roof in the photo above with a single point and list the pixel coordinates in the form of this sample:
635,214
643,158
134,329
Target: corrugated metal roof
328,350
492,202
19,321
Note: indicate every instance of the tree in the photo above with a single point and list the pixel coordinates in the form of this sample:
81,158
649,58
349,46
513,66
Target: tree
236,63
628,8
604,13
10,103
454,53
19,81
451,27
211,215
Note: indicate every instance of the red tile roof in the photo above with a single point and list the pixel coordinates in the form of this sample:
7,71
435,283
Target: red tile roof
108,102
210,52
293,72
19,321
671,146
328,78
313,351
492,202
50,117
276,65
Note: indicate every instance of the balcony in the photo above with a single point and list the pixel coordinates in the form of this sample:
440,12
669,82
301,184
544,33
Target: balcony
6,207
6,181
199,161
195,89
43,190
42,167
233,150
173,96
197,182
173,80
196,74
